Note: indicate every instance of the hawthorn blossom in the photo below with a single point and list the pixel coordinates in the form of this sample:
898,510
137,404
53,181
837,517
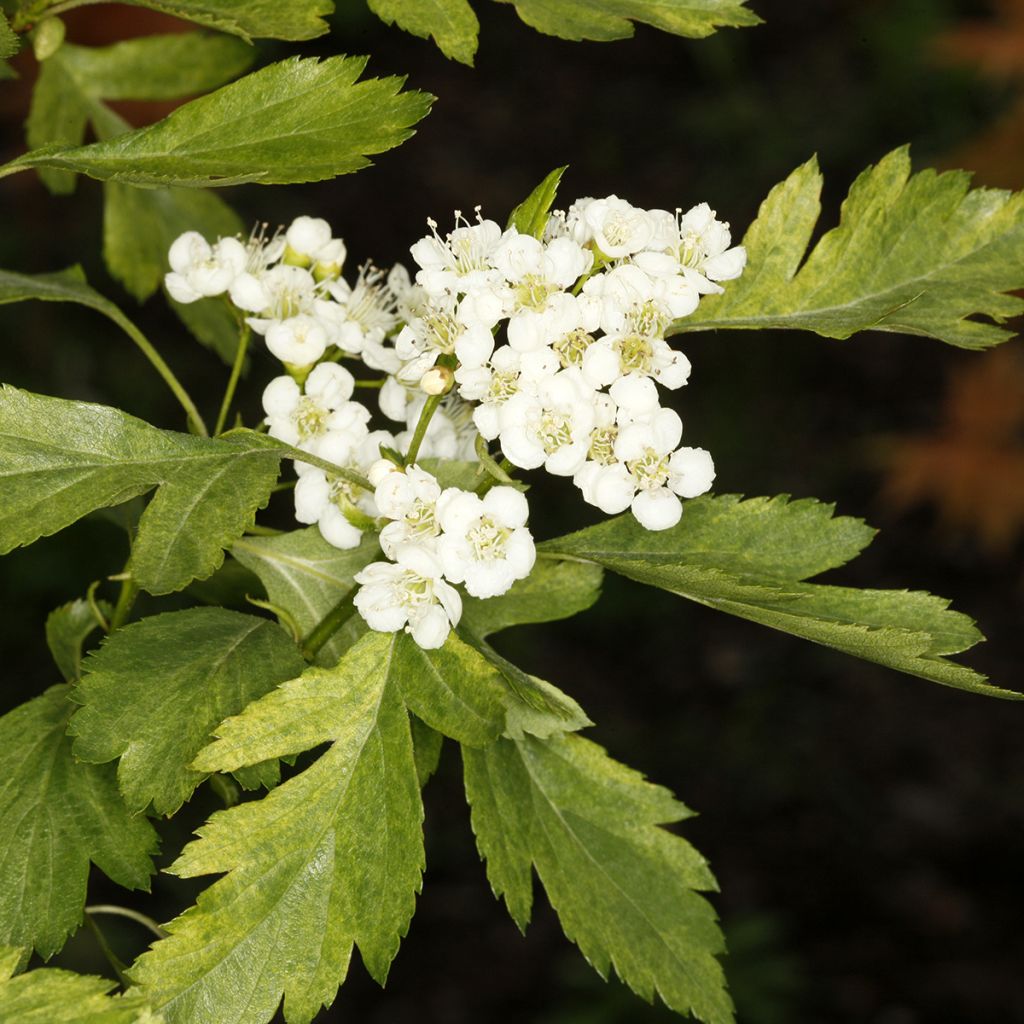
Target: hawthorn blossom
409,594
199,270
485,543
409,499
461,261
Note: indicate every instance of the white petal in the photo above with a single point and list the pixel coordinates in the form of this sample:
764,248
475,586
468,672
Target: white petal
431,628
657,510
693,472
337,530
507,505
281,396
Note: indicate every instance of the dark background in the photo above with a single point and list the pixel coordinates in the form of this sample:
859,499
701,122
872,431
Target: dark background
865,827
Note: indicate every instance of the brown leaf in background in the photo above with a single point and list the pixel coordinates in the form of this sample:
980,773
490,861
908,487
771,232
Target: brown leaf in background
972,468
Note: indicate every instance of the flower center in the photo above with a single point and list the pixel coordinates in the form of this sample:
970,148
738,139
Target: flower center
441,330
554,430
648,318
570,347
421,520
487,539
414,590
636,353
371,304
310,418
602,445
504,384
533,292
649,470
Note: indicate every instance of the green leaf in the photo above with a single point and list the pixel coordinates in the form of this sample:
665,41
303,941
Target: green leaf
57,815
307,577
613,19
295,121
756,538
57,116
51,996
60,460
914,254
426,745
747,558
331,858
9,42
455,690
156,689
451,23
530,217
625,890
251,19
157,67
553,590
67,629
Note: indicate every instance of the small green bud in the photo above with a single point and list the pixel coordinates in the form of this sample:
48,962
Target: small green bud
47,38
295,259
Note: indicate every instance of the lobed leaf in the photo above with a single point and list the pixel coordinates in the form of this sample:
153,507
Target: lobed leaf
156,689
913,254
604,20
298,120
331,858
61,459
50,996
57,815
251,19
625,891
451,23
748,558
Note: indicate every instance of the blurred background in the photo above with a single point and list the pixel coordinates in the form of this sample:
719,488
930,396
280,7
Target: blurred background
867,829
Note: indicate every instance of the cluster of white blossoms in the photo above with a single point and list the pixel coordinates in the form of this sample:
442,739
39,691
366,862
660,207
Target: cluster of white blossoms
552,347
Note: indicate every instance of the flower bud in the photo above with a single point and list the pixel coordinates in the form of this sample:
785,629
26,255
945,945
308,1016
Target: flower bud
379,470
47,38
437,380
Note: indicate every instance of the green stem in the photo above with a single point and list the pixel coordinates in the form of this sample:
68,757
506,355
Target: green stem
224,786
125,601
369,383
426,415
285,617
134,915
97,612
112,958
496,472
38,11
329,625
236,372
158,364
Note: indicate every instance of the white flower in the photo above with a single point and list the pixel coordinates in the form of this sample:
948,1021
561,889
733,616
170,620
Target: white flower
619,229
409,595
247,291
537,272
460,262
564,314
615,355
551,428
199,270
299,341
280,294
310,243
635,302
698,249
440,330
340,508
367,309
507,373
322,421
485,543
647,476
409,498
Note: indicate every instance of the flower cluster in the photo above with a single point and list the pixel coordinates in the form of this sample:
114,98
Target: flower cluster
553,347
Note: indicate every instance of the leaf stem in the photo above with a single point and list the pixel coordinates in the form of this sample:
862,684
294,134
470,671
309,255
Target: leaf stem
125,601
134,915
496,471
158,364
426,415
329,625
111,956
236,371
286,617
97,612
